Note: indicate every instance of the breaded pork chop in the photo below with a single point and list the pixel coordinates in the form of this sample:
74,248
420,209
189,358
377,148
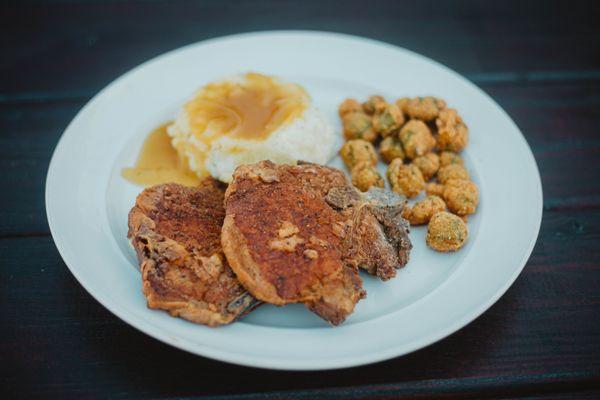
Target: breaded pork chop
377,239
176,232
376,235
299,234
285,243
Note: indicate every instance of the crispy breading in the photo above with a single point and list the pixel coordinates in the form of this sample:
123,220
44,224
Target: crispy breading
446,232
328,237
365,176
416,138
358,151
452,171
461,196
390,148
176,232
428,164
257,211
349,106
453,134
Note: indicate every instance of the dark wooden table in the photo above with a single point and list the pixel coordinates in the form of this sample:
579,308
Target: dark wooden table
539,60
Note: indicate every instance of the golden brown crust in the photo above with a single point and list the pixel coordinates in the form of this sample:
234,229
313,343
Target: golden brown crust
388,120
405,179
462,196
258,210
449,157
365,176
358,125
290,209
358,151
416,138
240,260
349,106
452,171
299,234
446,232
434,189
453,134
424,209
423,108
391,148
374,104
176,232
428,164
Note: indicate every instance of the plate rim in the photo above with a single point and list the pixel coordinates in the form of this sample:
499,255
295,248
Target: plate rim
270,362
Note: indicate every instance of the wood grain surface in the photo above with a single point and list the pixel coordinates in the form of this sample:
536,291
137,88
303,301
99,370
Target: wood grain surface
539,60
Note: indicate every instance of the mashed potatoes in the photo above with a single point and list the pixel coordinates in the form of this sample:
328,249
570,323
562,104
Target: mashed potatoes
246,119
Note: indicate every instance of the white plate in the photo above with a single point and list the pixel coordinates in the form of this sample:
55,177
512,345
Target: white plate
436,294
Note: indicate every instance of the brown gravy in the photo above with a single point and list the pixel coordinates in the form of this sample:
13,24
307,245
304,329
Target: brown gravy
249,109
252,109
158,162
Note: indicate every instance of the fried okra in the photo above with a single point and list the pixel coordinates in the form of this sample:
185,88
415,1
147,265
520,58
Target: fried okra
401,103
423,108
434,189
358,125
349,106
453,134
428,164
423,210
374,104
365,176
452,171
449,157
390,148
388,120
461,196
416,138
356,151
405,179
446,232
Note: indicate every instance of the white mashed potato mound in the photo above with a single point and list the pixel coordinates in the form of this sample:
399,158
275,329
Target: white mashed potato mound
307,137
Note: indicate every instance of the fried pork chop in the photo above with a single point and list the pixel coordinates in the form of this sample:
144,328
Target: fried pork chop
298,233
176,232
377,240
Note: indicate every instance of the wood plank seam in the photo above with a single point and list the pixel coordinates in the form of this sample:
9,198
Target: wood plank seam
446,388
489,78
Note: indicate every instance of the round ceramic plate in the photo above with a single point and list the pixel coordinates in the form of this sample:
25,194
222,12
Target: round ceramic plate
436,294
